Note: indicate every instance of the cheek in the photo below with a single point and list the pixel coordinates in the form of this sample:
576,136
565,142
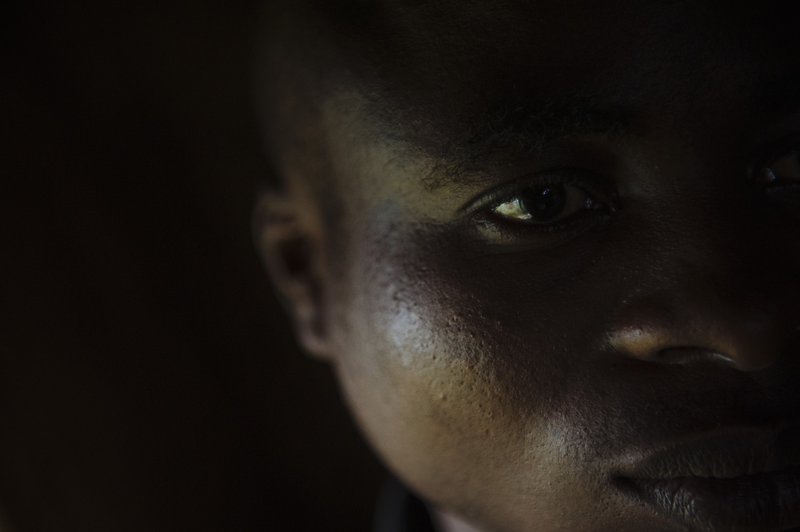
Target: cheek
450,394
474,375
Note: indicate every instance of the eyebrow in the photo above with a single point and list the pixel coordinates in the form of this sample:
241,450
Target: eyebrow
507,130
534,126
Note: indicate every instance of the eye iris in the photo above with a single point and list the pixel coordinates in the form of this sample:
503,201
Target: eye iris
544,202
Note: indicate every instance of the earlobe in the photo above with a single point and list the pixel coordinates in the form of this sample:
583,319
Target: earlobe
290,249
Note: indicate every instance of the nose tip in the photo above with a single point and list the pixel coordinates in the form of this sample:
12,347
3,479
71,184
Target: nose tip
744,344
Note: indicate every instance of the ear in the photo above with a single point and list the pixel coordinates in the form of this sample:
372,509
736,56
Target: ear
291,249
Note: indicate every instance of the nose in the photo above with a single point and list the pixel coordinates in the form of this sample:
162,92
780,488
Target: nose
728,327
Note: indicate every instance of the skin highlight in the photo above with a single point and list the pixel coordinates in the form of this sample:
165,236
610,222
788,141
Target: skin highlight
511,372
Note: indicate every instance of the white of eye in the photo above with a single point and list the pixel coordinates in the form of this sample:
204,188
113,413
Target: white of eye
554,203
513,209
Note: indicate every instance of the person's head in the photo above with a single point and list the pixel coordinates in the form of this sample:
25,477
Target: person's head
551,250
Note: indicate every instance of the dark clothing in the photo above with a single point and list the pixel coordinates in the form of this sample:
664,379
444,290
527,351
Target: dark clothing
398,510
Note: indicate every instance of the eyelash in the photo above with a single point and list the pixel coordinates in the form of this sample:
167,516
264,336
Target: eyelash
597,188
587,182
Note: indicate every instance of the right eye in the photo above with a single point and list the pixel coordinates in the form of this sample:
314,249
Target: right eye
545,203
544,208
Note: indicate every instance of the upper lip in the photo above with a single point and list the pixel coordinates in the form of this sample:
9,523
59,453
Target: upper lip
724,453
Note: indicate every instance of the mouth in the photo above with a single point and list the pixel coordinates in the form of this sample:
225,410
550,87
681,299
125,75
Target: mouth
732,480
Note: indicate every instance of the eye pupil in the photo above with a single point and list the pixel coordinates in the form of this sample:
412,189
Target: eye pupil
544,202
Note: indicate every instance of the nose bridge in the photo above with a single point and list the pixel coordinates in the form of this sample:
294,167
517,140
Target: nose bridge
725,301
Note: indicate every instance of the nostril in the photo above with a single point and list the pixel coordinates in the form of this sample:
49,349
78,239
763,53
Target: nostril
722,336
692,355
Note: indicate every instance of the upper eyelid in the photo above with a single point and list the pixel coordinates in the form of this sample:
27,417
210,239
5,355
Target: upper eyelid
505,191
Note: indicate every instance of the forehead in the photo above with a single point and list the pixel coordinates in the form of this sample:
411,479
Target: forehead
447,58
442,72
432,41
449,77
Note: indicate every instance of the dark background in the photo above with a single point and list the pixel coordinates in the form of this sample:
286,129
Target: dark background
148,380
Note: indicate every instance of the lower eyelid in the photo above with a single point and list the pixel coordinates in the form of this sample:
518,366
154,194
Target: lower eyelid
593,184
496,222
507,236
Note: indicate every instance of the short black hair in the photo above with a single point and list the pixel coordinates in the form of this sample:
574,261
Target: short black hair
299,60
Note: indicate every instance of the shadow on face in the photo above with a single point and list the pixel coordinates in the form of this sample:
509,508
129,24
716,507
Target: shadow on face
563,277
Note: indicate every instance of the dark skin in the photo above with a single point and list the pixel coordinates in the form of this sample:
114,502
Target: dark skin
566,238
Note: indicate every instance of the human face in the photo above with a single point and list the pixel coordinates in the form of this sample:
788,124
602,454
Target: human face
564,289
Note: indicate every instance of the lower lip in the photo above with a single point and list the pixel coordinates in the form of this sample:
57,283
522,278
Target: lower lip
766,501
